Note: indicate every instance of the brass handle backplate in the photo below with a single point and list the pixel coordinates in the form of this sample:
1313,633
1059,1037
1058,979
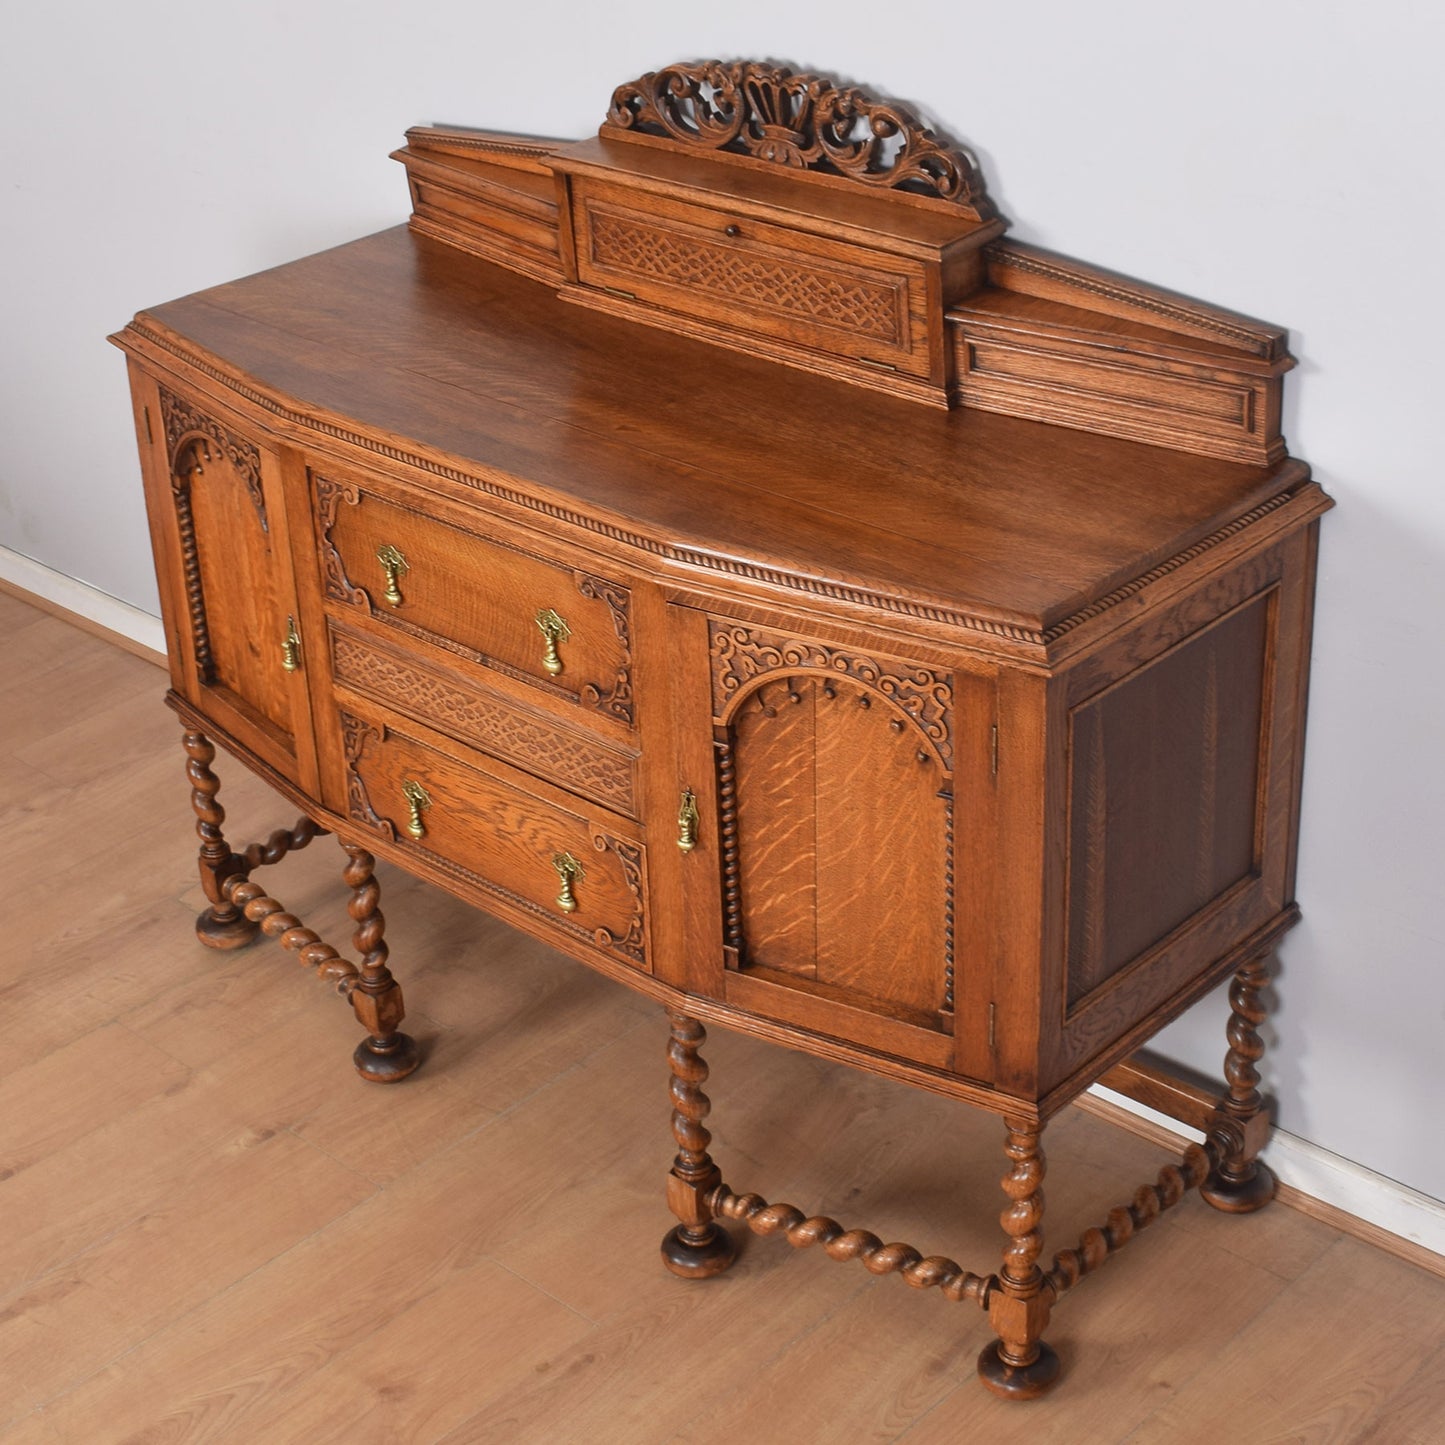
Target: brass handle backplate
418,800
291,647
687,821
554,630
395,566
569,871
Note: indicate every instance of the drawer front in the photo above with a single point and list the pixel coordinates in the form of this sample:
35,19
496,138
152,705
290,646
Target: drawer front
574,875
475,716
752,276
489,601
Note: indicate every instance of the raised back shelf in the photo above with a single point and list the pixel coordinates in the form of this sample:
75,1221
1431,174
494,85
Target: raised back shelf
783,215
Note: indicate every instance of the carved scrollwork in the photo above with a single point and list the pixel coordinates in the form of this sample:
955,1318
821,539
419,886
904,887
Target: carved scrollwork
616,699
355,734
183,421
801,121
741,654
633,942
329,497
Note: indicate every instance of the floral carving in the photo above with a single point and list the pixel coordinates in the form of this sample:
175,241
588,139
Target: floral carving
741,654
804,122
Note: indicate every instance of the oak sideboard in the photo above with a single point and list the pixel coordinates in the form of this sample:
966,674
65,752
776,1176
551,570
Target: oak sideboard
715,549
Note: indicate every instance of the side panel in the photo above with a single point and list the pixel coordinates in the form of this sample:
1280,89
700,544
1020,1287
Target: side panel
1178,746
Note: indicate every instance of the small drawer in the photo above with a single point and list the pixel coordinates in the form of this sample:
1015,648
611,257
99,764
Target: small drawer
485,829
487,600
752,276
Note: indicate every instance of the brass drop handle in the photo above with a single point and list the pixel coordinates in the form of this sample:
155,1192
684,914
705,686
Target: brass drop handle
554,630
418,800
291,647
687,822
395,566
569,871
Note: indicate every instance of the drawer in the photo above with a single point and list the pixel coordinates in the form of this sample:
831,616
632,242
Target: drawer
475,716
486,828
754,277
488,600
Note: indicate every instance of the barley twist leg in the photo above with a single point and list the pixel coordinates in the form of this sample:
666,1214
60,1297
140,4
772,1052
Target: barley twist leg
221,924
698,1246
1019,1365
385,1055
1240,1183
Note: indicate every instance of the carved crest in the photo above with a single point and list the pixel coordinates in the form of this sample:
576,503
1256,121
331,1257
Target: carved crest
804,122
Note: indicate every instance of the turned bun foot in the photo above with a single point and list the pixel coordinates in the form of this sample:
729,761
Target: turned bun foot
1240,1196
698,1261
1017,1382
226,933
388,1062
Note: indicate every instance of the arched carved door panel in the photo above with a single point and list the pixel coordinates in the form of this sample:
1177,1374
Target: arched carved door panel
237,609
835,802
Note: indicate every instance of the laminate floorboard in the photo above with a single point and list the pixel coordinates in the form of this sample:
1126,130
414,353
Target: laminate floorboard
213,1232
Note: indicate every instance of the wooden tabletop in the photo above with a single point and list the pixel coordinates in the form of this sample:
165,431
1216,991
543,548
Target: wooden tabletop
686,444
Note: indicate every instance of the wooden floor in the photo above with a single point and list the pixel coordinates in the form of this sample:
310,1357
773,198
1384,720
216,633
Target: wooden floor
212,1230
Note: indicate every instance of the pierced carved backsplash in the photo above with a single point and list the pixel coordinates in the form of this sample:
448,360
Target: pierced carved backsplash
801,121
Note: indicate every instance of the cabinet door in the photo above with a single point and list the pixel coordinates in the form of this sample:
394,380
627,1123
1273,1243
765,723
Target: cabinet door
218,525
835,796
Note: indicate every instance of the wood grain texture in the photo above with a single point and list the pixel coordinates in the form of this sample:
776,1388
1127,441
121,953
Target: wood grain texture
967,750
477,597
502,840
1011,527
208,1300
459,707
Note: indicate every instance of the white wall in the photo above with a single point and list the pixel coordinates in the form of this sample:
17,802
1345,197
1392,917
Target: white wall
1277,156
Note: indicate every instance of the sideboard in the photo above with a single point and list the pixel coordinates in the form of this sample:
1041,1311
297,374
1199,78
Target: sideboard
717,550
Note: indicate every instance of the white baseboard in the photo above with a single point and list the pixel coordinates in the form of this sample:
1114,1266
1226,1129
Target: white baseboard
85,601
1332,1180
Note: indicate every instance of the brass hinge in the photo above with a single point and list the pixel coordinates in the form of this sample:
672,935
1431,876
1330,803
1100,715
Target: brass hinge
150,436
993,750
625,295
881,365
992,1026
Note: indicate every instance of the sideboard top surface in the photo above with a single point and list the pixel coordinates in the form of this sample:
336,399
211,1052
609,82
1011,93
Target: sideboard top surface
674,443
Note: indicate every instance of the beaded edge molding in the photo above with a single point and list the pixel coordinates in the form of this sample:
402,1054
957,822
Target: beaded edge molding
838,591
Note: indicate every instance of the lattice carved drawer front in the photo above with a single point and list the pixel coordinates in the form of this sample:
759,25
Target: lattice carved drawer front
748,275
483,827
476,716
484,599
